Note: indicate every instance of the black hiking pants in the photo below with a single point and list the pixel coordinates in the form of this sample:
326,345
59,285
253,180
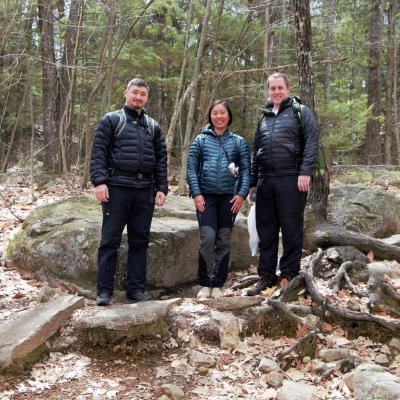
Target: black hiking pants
133,208
280,206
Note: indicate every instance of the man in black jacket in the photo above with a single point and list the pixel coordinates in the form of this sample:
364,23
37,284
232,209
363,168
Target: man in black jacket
284,153
129,172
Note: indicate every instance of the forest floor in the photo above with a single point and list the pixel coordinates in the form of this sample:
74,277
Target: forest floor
82,375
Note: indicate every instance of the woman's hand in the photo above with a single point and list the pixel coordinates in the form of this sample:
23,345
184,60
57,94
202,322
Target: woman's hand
199,203
237,203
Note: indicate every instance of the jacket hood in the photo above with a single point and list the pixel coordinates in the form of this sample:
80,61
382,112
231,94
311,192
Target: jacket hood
209,130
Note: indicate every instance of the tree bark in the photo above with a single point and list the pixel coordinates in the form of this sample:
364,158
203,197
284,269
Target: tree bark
330,14
318,197
179,90
391,63
49,85
268,43
193,98
373,141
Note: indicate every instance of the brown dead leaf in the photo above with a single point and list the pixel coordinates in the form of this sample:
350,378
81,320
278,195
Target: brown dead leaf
18,295
371,256
382,313
301,330
339,331
326,327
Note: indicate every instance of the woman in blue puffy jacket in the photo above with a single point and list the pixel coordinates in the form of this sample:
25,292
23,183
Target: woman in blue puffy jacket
218,176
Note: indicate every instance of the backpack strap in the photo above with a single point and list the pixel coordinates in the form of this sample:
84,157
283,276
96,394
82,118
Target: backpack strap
150,124
119,116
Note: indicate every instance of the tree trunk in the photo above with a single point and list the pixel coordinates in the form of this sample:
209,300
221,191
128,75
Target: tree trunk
373,141
49,86
330,13
391,62
268,43
318,197
179,90
396,106
193,98
246,92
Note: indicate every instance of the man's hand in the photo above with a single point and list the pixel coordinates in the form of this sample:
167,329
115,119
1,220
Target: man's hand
199,203
303,183
237,203
252,194
160,199
101,193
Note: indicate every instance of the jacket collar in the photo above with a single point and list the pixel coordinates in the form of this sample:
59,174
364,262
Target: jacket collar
209,130
269,105
133,113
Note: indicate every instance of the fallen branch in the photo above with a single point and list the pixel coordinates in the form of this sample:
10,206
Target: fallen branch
330,235
344,365
308,336
8,206
245,282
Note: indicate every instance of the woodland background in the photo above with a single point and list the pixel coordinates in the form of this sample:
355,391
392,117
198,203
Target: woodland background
64,63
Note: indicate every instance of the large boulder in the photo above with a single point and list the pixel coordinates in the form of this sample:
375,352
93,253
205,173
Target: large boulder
62,239
369,210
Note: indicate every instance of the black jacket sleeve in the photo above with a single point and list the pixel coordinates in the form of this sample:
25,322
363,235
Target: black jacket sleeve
160,152
102,143
310,133
254,165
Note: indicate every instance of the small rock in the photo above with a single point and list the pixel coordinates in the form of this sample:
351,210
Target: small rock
382,359
296,391
306,359
294,374
329,355
275,379
164,397
199,359
202,370
228,328
395,343
348,380
318,366
173,391
46,294
385,349
266,365
353,305
397,358
312,319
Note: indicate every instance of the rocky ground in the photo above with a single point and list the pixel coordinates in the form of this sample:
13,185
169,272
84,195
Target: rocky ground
181,364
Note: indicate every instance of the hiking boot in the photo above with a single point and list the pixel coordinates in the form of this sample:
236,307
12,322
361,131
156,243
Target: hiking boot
204,293
103,299
137,297
216,293
262,284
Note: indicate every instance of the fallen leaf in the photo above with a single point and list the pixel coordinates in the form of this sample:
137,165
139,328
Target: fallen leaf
370,256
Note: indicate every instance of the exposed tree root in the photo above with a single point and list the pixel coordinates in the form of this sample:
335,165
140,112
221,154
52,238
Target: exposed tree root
344,365
343,274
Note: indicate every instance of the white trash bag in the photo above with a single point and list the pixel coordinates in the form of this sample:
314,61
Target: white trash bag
251,226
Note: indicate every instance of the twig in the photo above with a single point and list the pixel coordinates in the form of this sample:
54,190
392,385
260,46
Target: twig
352,287
341,365
9,209
297,343
340,274
245,282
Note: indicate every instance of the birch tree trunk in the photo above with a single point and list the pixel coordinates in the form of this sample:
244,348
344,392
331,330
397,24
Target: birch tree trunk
193,98
373,141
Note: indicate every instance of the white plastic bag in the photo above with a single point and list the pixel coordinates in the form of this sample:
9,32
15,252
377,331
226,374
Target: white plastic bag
251,226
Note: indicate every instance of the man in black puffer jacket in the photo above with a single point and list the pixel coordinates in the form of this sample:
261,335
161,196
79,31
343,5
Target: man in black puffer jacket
284,153
129,172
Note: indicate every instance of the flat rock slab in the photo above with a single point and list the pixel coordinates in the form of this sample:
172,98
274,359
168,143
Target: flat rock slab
106,325
297,391
234,303
23,335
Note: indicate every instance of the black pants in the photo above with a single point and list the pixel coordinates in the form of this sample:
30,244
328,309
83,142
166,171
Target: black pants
280,206
132,208
215,224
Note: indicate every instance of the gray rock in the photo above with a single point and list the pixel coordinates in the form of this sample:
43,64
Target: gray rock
382,359
228,328
329,355
62,239
370,210
348,380
353,305
393,240
267,365
385,349
395,343
371,382
275,379
296,391
198,359
107,325
24,336
173,391
294,374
